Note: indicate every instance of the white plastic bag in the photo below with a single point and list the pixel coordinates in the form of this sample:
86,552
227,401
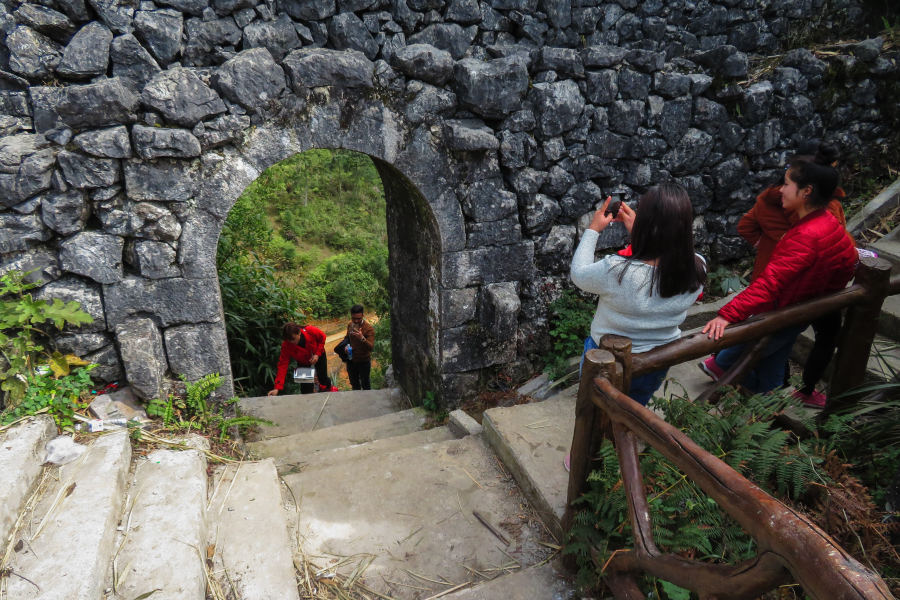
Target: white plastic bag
63,450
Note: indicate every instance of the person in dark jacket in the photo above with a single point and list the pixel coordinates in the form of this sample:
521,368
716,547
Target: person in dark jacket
306,345
361,336
815,257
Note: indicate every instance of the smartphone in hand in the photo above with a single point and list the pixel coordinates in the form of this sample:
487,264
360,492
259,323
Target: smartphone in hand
613,209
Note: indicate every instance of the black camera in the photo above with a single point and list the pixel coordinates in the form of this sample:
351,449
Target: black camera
613,209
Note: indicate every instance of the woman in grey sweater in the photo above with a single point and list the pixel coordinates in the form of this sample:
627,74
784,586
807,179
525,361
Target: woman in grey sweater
644,296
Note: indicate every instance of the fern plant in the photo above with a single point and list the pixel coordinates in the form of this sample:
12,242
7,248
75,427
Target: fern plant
684,519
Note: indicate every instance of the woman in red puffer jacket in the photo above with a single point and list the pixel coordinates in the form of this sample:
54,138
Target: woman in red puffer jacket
813,258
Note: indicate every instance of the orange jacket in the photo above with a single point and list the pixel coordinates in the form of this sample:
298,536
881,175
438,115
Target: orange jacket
767,222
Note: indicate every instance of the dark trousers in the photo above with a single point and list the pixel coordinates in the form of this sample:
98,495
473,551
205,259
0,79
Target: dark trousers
321,368
359,374
322,371
826,328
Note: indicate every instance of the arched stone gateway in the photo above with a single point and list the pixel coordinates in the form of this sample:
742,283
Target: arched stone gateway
426,231
128,129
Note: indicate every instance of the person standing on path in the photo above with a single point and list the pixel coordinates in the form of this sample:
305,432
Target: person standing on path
361,337
306,345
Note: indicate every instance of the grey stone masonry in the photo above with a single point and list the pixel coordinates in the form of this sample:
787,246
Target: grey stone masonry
129,129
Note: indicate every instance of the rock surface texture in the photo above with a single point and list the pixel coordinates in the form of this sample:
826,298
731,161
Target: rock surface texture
128,130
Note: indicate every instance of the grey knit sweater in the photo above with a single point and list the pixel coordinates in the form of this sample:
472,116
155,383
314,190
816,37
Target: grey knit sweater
628,308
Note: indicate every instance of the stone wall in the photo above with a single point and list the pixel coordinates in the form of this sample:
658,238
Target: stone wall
129,128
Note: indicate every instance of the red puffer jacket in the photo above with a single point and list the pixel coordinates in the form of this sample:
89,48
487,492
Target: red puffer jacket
313,344
813,258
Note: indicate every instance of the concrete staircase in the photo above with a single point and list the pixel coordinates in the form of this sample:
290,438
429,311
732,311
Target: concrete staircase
344,483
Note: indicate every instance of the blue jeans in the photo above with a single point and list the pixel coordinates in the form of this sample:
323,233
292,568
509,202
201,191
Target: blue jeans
642,387
769,372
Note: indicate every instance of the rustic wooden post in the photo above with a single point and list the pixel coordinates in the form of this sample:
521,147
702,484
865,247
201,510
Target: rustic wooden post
591,425
620,347
858,333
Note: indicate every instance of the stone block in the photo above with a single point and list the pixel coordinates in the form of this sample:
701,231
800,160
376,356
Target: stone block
458,307
347,32
493,89
155,142
107,102
81,344
320,67
557,107
154,260
105,143
20,232
161,180
461,424
504,231
93,254
32,54
278,36
603,56
446,36
251,79
41,264
141,348
181,97
498,309
131,61
85,293
195,351
161,31
539,212
490,264
109,367
469,135
553,251
64,212
424,62
488,201
172,301
85,172
87,54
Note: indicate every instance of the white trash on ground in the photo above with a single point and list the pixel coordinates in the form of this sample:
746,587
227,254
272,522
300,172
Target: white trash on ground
63,450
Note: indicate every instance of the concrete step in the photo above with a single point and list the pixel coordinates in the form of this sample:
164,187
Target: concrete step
296,462
164,528
339,436
411,510
884,360
532,440
21,454
249,527
537,583
298,414
70,557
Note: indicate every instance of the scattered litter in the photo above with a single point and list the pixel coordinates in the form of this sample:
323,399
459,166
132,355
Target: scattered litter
118,405
490,527
63,450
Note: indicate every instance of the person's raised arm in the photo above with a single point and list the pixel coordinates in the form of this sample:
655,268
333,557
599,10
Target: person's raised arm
368,338
586,273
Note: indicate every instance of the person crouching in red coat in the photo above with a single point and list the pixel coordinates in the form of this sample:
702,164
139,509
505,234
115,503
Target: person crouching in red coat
306,345
814,257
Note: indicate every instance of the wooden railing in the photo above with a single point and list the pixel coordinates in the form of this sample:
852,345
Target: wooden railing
790,546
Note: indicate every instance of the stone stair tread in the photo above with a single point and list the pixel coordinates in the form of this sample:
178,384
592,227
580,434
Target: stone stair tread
21,455
166,528
405,507
72,556
532,440
879,368
536,583
298,414
326,459
248,524
339,436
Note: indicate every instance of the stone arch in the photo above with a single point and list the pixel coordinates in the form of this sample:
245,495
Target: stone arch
423,213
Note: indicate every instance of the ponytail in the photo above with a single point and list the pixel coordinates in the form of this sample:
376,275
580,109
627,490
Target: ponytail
816,171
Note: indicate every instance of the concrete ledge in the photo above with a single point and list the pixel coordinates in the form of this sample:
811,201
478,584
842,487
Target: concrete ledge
168,518
71,557
532,440
462,424
542,387
21,455
879,206
252,533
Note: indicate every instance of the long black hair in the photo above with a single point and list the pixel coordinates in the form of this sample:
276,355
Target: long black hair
664,231
815,171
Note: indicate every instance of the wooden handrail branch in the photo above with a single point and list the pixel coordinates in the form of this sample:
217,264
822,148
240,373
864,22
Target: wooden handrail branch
789,543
